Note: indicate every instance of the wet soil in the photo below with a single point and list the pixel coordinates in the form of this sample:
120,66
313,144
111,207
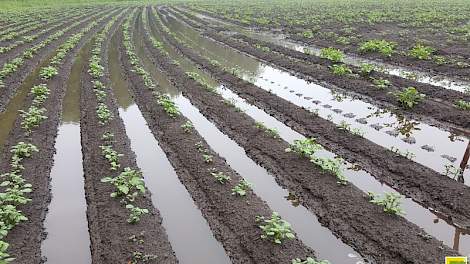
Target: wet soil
231,218
343,209
13,81
25,239
107,218
425,185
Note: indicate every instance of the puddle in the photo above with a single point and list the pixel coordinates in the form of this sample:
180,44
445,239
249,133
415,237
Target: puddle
279,39
188,232
378,125
66,221
361,179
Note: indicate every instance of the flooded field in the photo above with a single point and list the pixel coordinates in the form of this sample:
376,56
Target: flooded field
211,133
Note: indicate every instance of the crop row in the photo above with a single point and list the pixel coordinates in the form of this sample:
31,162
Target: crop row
29,136
244,131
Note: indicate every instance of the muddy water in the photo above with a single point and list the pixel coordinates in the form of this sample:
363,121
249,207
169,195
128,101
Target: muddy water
66,223
378,125
189,234
304,223
9,115
414,212
280,39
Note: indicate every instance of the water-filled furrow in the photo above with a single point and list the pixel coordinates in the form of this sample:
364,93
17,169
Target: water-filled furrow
189,234
443,153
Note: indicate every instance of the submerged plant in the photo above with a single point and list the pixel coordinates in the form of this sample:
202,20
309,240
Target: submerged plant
275,228
390,202
409,97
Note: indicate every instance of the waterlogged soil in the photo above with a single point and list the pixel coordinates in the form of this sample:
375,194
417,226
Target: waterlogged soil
231,218
25,239
345,210
13,81
425,186
110,232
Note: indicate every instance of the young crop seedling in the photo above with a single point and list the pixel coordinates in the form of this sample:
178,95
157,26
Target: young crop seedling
104,115
390,202
421,52
40,92
241,188
464,105
221,177
407,154
187,126
128,184
48,72
272,132
275,228
340,69
112,156
309,260
343,125
383,47
331,165
381,83
32,118
4,256
136,213
207,158
409,97
168,105
367,69
305,147
332,54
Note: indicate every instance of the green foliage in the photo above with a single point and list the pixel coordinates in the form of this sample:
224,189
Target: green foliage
332,54
262,48
104,114
343,125
128,184
421,52
390,202
366,69
381,83
32,118
48,72
409,97
272,132
383,47
4,256
309,260
221,177
207,158
305,147
275,228
241,188
40,93
331,165
111,155
340,69
168,105
187,126
464,105
136,213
